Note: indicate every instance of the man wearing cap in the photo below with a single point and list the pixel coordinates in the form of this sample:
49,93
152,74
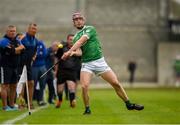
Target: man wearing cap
94,62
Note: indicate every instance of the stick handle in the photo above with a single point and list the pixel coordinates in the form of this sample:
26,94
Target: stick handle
49,69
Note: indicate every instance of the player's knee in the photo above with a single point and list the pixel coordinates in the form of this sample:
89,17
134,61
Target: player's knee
114,81
84,86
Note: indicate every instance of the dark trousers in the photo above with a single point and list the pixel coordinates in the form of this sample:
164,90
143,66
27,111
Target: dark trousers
131,78
51,89
37,72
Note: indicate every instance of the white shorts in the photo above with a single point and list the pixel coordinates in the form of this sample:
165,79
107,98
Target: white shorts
97,67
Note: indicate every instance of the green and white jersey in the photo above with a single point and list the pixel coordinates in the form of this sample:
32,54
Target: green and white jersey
91,50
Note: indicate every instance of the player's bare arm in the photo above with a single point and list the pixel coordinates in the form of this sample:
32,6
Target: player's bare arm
76,46
77,52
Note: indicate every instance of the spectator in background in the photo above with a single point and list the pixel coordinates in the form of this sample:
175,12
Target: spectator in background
10,51
177,70
50,59
28,56
38,68
132,68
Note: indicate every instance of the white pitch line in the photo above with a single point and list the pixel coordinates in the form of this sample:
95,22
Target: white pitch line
12,121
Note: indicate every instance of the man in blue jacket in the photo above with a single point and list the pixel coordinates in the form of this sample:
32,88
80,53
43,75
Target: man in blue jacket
10,57
30,42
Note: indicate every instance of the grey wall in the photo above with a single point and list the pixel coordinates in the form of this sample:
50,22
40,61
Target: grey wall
128,29
123,12
122,45
44,12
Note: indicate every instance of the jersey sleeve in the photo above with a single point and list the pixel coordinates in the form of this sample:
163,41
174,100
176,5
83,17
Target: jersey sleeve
4,43
7,47
89,32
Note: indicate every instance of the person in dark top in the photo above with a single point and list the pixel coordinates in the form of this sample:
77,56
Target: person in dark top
28,56
67,73
10,51
50,75
132,68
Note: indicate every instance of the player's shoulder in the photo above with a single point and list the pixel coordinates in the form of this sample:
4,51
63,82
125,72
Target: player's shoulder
23,37
89,27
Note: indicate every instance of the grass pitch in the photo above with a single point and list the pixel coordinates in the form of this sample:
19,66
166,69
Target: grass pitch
161,107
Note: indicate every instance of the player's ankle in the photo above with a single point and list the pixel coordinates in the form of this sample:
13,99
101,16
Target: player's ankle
128,103
87,108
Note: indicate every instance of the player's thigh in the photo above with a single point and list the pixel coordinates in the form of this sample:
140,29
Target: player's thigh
85,78
110,77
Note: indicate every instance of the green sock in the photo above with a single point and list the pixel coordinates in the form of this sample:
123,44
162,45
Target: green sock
128,103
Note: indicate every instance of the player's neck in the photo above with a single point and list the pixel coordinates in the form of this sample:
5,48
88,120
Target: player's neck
80,28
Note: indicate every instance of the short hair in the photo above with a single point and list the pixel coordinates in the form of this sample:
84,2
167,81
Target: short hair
10,27
32,24
69,35
56,42
77,15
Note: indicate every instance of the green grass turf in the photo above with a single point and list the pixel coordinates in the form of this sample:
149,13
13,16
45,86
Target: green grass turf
161,107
